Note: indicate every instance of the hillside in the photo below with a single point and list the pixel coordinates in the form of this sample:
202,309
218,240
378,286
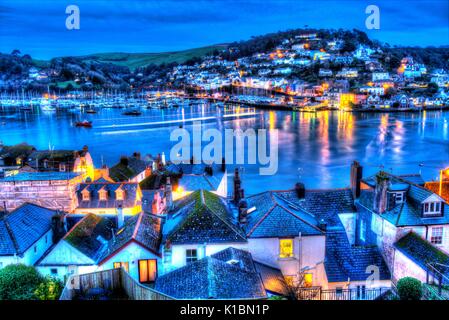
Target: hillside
136,60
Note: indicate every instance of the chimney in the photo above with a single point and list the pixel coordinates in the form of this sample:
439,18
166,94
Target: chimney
223,165
120,217
238,191
243,211
85,149
58,226
136,155
300,190
356,177
380,192
124,160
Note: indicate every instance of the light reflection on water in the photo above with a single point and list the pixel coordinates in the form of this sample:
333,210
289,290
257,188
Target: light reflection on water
316,148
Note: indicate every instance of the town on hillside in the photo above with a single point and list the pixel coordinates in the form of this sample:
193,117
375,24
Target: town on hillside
303,69
149,229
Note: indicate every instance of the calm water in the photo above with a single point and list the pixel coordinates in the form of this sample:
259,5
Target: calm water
315,148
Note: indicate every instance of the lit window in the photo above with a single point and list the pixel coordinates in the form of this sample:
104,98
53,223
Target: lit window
147,270
120,195
124,265
103,194
308,279
432,208
289,280
285,248
191,255
437,235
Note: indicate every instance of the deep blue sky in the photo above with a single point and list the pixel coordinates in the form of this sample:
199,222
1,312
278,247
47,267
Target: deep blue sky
37,27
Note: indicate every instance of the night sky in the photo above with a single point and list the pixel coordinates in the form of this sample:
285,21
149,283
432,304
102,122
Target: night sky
38,27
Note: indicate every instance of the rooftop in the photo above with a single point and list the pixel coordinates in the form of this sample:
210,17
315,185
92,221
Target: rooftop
201,217
228,274
21,228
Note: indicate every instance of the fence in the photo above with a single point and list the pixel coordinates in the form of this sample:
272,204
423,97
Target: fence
110,280
316,293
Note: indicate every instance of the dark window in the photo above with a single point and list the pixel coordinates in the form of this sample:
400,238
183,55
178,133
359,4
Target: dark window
54,271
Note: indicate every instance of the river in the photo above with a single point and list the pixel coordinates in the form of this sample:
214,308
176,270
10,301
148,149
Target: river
315,148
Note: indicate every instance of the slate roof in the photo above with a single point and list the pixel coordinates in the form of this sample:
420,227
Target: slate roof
91,235
214,277
344,261
282,214
130,200
201,217
21,228
143,228
422,252
40,176
408,213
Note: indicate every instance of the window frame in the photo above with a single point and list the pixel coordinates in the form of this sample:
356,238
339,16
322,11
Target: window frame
190,257
290,255
432,208
438,238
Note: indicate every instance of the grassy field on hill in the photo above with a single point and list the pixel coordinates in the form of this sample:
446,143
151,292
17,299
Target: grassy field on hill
134,60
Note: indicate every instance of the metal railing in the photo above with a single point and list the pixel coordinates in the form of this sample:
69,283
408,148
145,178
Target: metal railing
316,293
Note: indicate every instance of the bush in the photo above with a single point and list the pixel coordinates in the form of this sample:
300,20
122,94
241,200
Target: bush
18,282
409,289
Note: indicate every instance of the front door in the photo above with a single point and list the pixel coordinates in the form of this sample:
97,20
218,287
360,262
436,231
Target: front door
147,270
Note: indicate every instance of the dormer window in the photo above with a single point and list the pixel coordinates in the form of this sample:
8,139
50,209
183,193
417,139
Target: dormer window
432,208
103,195
62,167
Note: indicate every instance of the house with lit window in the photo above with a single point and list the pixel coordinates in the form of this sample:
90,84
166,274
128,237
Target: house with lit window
135,247
391,207
98,243
199,225
228,274
26,233
104,198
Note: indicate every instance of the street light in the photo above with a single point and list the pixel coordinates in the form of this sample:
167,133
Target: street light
443,172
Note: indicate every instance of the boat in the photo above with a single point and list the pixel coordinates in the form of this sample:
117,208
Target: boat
132,113
91,111
84,123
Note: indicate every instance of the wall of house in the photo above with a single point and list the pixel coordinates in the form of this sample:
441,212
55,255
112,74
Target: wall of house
405,267
30,256
178,256
309,252
131,253
130,211
64,254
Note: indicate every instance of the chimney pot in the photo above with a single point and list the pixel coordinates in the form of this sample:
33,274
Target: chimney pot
300,190
356,177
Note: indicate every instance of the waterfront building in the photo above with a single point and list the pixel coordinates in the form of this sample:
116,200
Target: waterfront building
52,190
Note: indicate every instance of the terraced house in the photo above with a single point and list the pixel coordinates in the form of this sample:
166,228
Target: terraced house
408,222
